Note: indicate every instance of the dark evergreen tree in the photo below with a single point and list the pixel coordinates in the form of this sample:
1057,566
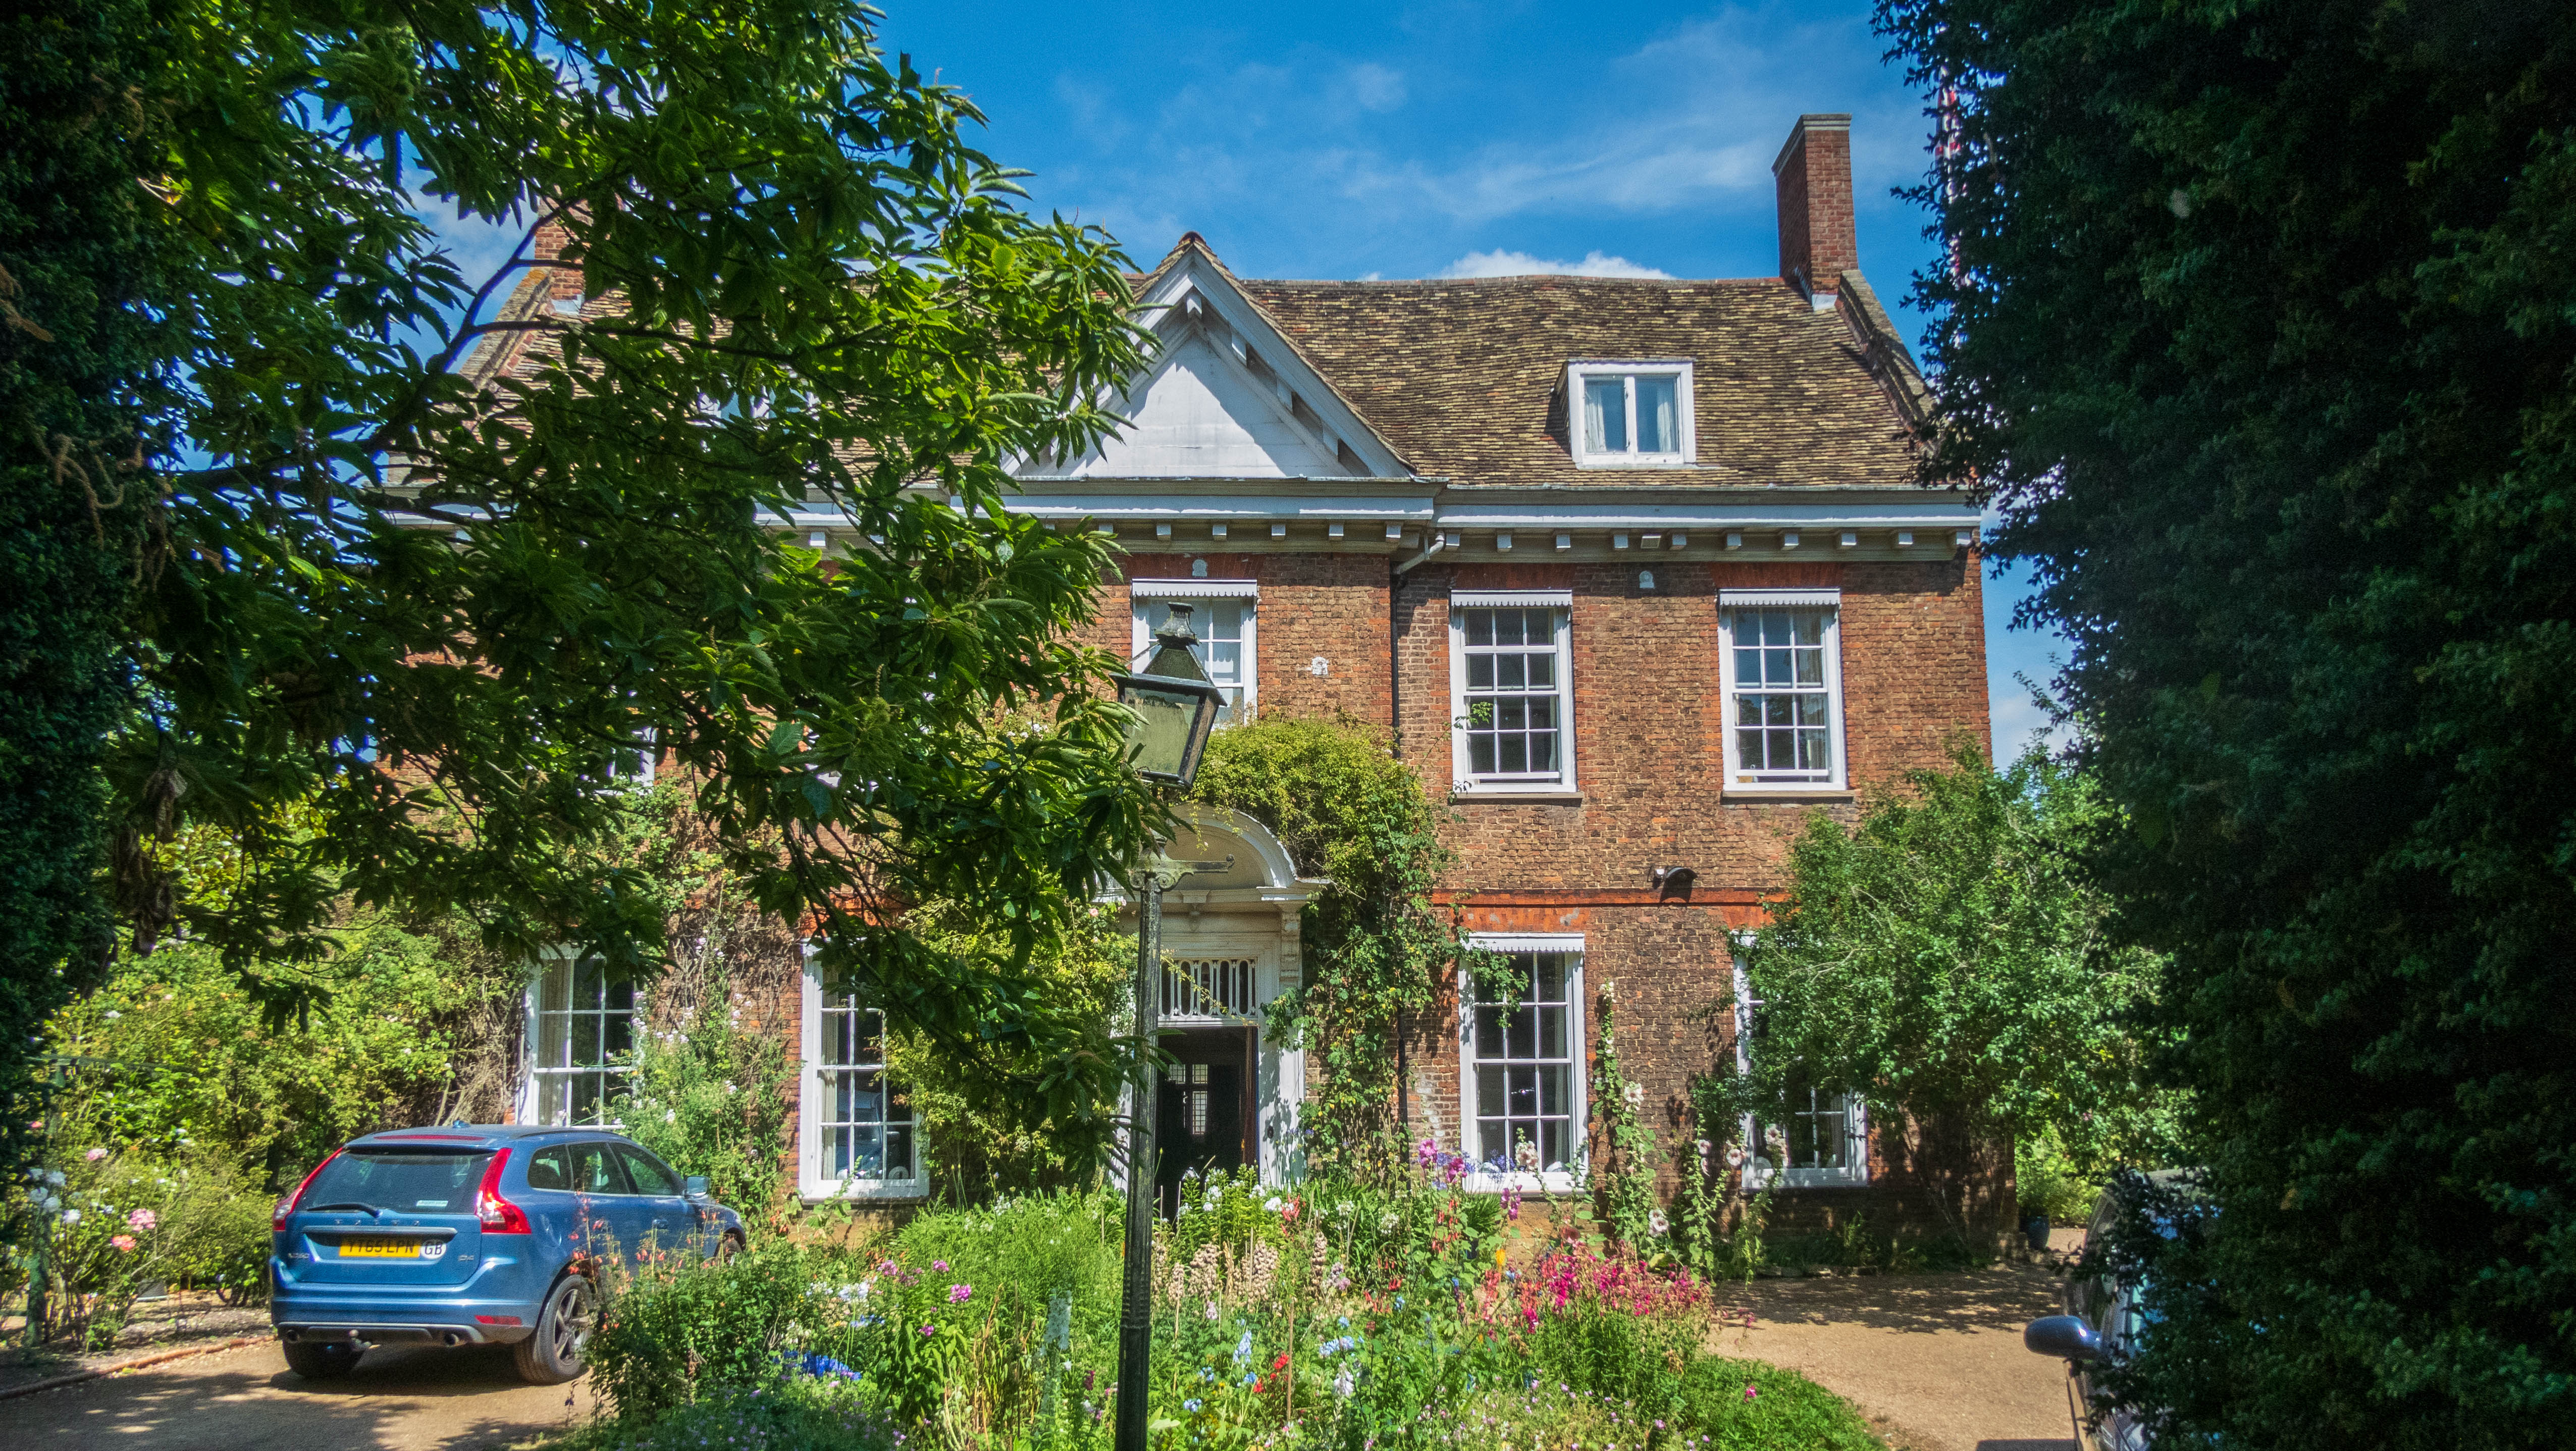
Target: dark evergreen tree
2261,328
76,255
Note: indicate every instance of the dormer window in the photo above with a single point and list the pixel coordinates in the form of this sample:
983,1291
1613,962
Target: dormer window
1631,414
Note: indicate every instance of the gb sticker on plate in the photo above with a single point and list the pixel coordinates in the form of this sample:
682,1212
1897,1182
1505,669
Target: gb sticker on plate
432,1250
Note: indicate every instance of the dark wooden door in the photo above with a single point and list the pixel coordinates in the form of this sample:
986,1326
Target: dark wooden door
1204,1118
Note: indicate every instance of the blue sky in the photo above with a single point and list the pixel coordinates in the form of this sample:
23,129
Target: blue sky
1427,139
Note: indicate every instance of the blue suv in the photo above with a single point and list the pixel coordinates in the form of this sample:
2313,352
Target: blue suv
472,1235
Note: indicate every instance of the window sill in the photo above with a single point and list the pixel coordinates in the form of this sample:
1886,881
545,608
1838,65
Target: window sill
862,1193
1638,461
1548,1184
1812,1179
1509,796
1756,795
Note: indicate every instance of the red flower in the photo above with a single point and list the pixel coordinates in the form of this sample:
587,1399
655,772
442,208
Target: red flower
1281,1363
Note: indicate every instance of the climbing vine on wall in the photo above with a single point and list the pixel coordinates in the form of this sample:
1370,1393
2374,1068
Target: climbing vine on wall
1378,954
1623,1169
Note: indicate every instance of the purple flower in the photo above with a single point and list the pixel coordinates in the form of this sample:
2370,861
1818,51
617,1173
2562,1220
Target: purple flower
933,1330
940,1265
957,1293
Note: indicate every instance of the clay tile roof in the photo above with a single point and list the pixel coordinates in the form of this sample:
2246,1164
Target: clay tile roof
1466,378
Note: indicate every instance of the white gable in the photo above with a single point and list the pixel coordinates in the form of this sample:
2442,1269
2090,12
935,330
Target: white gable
1225,397
1199,413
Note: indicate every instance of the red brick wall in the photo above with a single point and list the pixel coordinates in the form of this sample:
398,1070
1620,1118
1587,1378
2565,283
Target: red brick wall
1327,606
1649,743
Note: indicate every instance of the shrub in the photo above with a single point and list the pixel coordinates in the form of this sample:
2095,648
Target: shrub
1745,1405
112,1224
684,1329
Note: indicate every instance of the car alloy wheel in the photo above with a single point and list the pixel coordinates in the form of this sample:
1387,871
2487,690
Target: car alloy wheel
553,1354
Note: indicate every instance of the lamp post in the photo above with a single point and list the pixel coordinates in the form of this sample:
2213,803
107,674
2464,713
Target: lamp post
1175,707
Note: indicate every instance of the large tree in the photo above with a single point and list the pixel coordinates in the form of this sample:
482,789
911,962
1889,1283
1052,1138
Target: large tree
1949,960
2261,327
388,620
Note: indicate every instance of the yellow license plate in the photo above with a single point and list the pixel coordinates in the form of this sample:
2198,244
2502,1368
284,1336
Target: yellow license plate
380,1249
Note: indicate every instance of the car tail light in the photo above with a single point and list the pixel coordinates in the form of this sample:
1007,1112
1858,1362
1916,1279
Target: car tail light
496,1319
286,1206
499,1215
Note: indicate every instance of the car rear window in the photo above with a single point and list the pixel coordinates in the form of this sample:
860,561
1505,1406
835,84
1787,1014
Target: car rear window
409,1181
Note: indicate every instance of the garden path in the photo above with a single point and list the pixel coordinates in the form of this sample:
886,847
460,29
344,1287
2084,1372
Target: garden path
398,1399
1934,1360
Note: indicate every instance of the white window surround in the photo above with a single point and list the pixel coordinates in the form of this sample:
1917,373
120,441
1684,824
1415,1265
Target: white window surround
1464,779
813,1183
1568,1180
1758,1173
1731,605
1633,385
1232,662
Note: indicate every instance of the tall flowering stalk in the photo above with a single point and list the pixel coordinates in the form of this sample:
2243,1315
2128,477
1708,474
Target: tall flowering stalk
1622,1172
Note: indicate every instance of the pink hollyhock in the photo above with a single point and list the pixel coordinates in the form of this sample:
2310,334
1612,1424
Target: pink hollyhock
95,1155
142,1219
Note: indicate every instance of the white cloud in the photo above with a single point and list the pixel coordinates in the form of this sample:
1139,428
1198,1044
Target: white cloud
1499,263
1375,87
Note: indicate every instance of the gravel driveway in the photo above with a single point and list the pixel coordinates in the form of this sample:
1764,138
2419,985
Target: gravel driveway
399,1399
1935,1361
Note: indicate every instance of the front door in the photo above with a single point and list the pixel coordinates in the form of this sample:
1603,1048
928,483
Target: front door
1204,1116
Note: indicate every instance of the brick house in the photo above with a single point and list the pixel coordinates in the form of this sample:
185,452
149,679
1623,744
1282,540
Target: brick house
1636,573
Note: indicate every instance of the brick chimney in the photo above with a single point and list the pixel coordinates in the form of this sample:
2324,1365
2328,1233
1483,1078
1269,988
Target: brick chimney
1813,172
546,246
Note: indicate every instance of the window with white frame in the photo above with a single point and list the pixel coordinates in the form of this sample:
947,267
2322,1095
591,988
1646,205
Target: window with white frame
1781,669
857,1131
1223,614
1630,414
1823,1135
581,1028
1511,691
1523,1065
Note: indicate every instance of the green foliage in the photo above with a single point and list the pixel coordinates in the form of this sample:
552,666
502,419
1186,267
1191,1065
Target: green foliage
195,1063
982,1135
2263,334
1623,1176
103,1226
799,1415
805,285
1366,1314
2049,1181
74,259
710,1097
1745,1405
1951,959
685,1328
1377,953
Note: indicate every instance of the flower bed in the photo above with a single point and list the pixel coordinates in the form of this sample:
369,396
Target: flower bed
1354,1317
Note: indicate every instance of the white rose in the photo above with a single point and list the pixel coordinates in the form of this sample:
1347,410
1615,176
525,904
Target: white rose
1656,1222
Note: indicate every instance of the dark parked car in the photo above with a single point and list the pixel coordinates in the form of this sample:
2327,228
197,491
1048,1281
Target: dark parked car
2103,1309
474,1234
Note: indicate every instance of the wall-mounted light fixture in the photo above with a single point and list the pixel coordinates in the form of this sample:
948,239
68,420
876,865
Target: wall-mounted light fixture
1674,879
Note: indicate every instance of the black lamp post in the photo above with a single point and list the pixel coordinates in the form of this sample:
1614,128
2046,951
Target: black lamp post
1175,708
